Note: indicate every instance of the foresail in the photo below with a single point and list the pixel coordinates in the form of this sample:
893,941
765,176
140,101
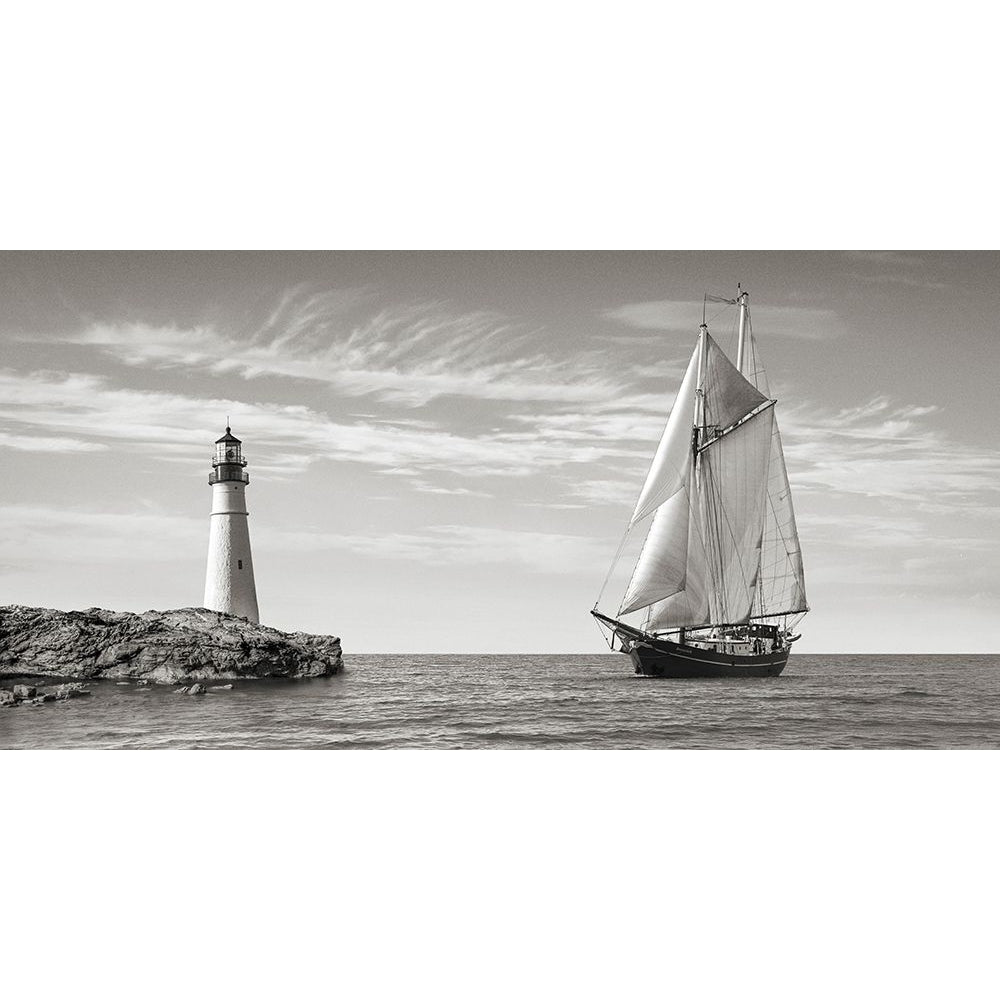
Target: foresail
782,579
669,469
689,606
662,565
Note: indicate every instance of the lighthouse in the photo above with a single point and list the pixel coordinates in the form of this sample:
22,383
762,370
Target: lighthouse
229,584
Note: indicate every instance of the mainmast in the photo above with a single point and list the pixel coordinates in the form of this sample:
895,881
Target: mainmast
742,298
699,405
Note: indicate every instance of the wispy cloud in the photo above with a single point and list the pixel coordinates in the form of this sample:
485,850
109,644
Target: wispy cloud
408,355
888,450
909,280
782,321
35,442
885,258
888,267
285,437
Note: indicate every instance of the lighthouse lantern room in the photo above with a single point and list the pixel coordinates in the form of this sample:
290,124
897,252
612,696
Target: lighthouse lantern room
229,582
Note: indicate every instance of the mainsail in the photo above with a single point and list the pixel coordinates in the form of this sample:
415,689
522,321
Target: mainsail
722,546
782,588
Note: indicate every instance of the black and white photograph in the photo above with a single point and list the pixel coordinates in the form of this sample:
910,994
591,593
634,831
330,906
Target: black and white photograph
603,392
416,499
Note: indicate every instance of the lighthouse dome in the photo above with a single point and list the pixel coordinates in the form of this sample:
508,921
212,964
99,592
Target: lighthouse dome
228,437
228,461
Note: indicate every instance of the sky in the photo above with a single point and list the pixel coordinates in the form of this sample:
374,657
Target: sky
444,448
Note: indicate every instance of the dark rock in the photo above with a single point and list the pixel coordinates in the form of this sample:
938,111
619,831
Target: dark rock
24,691
71,690
197,689
162,647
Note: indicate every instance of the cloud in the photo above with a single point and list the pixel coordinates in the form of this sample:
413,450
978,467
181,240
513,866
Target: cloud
31,442
612,492
900,279
782,321
892,268
39,534
408,355
455,544
31,535
884,258
885,449
458,491
285,438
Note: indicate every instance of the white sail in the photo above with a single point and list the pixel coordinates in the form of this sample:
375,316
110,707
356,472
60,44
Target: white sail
734,476
728,395
668,471
782,586
662,565
689,606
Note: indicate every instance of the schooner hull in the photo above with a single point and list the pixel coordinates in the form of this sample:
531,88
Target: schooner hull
677,661
654,657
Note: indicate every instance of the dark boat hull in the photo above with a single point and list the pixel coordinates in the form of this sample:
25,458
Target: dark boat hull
673,660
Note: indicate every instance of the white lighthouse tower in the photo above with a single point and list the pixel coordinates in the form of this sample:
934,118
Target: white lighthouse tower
229,584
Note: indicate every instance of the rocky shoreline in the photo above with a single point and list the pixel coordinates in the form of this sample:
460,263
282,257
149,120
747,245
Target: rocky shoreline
29,694
174,647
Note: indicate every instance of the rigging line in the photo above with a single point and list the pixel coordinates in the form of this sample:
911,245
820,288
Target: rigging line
610,637
715,316
614,563
714,513
750,618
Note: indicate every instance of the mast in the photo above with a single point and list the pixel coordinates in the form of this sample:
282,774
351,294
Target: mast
741,342
699,405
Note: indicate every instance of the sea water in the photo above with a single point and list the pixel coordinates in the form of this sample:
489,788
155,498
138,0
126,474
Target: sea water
543,701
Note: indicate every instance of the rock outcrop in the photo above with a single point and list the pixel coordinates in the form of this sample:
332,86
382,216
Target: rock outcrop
165,647
28,694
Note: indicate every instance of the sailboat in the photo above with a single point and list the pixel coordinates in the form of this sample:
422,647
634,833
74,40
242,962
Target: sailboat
718,587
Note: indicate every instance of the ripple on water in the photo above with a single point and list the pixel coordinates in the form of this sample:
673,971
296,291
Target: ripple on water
544,702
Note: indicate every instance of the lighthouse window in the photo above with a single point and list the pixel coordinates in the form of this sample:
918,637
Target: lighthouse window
239,563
